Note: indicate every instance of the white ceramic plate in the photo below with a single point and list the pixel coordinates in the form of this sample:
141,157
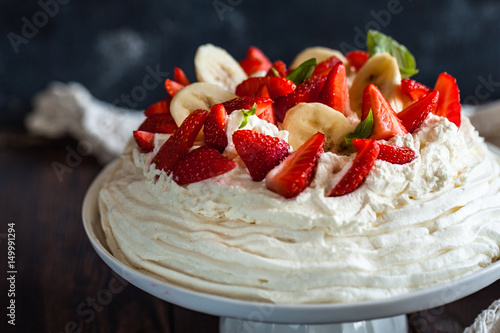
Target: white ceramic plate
278,313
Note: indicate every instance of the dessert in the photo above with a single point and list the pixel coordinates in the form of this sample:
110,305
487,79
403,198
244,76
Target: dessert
265,183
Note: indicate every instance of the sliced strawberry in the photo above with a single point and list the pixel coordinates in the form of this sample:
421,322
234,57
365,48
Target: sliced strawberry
260,152
280,68
145,140
294,174
386,123
180,77
449,98
335,92
255,61
159,123
215,128
357,58
415,90
172,87
179,143
246,103
200,164
266,114
324,67
278,86
160,107
367,153
389,153
414,114
307,91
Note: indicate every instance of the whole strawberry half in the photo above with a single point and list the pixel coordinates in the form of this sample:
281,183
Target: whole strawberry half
145,140
200,164
294,174
160,107
367,152
172,87
324,67
247,103
449,98
277,86
335,92
306,91
389,153
260,152
415,90
215,128
357,58
255,61
414,114
159,123
180,77
386,123
179,143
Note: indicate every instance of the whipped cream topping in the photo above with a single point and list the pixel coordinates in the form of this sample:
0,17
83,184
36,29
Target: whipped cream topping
407,227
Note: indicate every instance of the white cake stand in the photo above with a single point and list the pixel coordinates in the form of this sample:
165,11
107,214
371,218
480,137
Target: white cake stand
237,316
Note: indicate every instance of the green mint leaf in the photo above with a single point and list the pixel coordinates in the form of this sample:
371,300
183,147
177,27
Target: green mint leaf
248,113
275,72
362,131
301,73
377,42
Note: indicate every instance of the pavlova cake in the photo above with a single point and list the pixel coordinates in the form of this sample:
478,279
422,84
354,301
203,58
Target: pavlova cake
336,178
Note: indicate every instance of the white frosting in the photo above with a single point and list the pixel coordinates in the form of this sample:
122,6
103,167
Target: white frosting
407,227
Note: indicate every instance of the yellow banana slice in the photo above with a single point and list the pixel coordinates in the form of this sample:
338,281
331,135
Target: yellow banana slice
320,53
214,65
383,71
305,119
198,95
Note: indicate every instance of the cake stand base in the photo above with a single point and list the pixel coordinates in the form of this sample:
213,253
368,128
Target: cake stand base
384,325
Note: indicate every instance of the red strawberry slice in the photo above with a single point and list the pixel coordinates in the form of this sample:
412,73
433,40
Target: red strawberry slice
247,103
159,123
324,67
280,68
172,87
215,128
145,140
180,77
277,86
386,123
415,114
160,107
260,152
306,91
367,153
357,58
415,90
200,164
255,61
389,153
179,143
449,98
294,174
268,113
335,92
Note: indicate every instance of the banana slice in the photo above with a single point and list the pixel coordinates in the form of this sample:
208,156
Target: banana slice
305,119
382,70
198,95
214,65
319,52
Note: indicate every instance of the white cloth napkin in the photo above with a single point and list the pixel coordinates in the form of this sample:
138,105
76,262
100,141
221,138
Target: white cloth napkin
69,109
488,321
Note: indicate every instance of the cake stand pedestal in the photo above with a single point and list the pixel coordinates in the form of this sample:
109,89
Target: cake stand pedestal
385,325
239,316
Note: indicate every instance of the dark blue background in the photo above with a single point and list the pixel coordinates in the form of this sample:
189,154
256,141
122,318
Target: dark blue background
107,45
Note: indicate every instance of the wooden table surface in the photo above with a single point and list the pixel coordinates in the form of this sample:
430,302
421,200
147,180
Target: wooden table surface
61,285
